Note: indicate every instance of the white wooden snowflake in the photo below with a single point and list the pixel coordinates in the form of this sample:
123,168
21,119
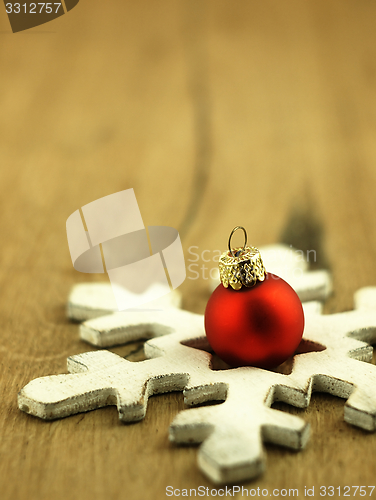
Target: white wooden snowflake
232,432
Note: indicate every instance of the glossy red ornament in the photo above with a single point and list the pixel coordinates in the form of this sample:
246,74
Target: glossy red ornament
259,326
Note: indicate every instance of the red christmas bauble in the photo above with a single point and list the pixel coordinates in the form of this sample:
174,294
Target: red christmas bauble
260,326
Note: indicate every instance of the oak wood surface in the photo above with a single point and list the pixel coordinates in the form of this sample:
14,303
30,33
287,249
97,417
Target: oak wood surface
217,113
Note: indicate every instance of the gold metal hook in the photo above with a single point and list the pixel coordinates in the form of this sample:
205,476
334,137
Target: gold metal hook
245,240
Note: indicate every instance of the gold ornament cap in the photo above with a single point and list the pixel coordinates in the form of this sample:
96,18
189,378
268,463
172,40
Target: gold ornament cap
241,266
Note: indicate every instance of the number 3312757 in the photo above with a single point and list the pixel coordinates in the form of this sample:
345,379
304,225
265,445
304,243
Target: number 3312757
32,8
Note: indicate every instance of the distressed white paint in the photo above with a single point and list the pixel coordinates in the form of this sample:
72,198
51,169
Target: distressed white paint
90,300
232,432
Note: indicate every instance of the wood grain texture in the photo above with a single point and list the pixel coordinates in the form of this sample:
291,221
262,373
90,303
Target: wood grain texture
217,113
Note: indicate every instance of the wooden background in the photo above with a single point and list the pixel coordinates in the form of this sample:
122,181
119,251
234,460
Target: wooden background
217,113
